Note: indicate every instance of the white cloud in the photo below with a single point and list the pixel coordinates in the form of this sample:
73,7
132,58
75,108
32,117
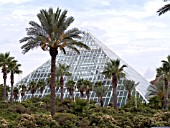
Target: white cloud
13,1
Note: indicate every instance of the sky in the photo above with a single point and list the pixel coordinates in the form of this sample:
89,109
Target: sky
130,28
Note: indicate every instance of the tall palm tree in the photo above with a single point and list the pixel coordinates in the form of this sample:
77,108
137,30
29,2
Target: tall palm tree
1,92
51,35
114,71
5,60
16,92
41,85
157,90
70,87
99,89
62,70
164,73
88,86
129,85
164,9
32,87
23,90
80,86
13,67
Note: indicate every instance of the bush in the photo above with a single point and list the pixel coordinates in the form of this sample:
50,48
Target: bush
66,120
18,108
36,120
4,123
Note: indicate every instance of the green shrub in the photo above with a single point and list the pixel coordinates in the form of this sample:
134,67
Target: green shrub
17,108
36,120
66,120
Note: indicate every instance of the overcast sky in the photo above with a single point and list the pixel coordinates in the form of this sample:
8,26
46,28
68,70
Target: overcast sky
130,28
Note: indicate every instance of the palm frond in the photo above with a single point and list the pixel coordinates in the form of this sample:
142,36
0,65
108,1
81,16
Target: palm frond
164,9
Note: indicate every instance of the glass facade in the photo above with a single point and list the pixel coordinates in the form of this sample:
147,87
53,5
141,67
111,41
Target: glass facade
88,65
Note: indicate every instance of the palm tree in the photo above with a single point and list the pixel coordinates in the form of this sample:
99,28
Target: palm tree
13,67
99,89
114,71
164,73
41,85
23,90
16,92
5,60
52,35
129,85
88,85
32,87
164,9
80,86
70,87
1,92
62,70
157,90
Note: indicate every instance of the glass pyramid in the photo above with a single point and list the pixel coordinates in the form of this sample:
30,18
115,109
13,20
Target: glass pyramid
88,65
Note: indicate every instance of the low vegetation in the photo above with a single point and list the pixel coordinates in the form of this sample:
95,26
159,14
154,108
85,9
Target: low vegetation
35,112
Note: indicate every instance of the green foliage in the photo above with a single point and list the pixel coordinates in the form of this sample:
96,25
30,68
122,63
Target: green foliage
79,114
36,120
66,120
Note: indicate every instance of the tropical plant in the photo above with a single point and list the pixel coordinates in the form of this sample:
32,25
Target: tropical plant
23,90
164,73
32,87
5,60
62,70
41,85
16,93
164,9
99,89
70,87
157,90
52,35
13,68
80,87
129,85
114,71
88,86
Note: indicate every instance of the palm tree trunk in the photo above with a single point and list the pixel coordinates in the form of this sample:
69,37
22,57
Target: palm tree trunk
53,53
101,101
114,82
4,87
12,87
87,92
62,91
166,94
129,95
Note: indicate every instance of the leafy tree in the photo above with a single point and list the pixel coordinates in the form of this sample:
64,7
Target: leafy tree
62,70
99,89
41,85
5,60
80,87
114,71
16,93
164,73
51,35
32,87
70,87
23,90
164,9
157,90
13,68
88,86
129,86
